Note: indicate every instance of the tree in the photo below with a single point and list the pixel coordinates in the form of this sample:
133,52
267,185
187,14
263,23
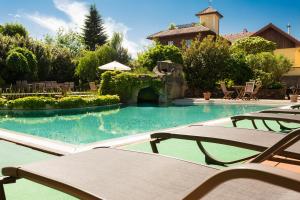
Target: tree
159,52
253,45
31,62
94,33
121,54
70,40
62,67
205,61
21,65
13,29
267,67
17,66
86,70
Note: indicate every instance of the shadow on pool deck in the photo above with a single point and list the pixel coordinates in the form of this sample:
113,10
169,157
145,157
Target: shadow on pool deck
25,190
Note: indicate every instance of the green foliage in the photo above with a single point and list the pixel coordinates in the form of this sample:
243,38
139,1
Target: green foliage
159,52
103,100
120,54
3,102
63,69
63,103
49,59
31,60
204,62
88,64
22,64
123,83
87,67
237,69
31,102
172,26
253,45
17,63
71,102
94,33
142,70
267,67
70,40
14,29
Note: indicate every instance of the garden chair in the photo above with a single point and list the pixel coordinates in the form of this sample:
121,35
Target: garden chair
249,89
71,86
255,91
93,86
227,94
129,175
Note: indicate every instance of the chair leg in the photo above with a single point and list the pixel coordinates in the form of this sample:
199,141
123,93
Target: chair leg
2,192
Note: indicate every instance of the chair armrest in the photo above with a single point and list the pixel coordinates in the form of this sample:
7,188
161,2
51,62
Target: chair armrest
271,175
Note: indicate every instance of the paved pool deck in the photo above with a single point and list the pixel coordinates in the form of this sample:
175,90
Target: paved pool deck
197,101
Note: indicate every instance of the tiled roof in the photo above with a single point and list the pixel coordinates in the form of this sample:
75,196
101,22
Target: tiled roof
208,10
180,30
236,36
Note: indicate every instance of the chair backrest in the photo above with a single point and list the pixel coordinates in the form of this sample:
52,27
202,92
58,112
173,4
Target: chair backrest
93,86
223,87
72,85
249,87
258,86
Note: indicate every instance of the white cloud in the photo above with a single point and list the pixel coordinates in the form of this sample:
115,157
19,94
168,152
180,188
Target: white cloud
76,12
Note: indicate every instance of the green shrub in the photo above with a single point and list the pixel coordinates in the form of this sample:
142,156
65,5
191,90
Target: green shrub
14,29
267,67
253,45
3,102
31,102
103,100
63,103
159,52
124,83
71,102
205,62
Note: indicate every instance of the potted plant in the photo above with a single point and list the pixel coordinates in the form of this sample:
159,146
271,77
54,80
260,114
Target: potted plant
207,95
294,95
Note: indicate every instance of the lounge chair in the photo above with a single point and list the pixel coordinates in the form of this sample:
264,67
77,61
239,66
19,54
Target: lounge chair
227,94
297,106
119,174
244,138
249,89
277,117
282,111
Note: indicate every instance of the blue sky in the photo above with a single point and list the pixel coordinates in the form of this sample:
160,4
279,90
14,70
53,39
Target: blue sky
138,18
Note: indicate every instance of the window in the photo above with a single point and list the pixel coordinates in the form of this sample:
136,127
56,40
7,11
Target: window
188,43
170,43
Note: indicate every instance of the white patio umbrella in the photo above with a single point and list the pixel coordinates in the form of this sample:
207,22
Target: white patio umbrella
115,66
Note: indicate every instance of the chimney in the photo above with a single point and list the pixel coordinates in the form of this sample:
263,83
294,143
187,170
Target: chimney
289,28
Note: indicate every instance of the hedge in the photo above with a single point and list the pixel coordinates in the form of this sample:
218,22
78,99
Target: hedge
62,103
31,103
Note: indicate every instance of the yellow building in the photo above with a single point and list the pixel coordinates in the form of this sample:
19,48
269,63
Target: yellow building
294,55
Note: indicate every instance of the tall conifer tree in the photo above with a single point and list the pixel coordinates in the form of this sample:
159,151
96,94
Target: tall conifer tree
93,31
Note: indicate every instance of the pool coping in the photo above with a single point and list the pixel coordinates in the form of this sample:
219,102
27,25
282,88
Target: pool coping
59,148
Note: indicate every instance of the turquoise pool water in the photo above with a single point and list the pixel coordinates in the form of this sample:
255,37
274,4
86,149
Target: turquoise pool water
92,126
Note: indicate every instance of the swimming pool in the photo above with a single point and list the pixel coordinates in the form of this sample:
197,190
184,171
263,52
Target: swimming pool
93,126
